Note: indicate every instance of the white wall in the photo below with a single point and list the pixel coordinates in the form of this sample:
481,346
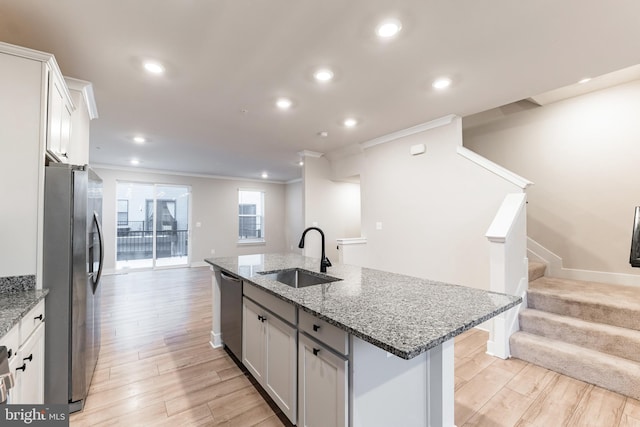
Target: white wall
214,205
21,175
334,206
434,208
583,153
294,215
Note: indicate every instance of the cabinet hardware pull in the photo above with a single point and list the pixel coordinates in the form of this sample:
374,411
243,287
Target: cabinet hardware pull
316,351
22,368
9,353
261,318
30,358
316,328
39,317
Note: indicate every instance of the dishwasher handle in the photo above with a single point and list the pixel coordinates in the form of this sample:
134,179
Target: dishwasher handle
228,277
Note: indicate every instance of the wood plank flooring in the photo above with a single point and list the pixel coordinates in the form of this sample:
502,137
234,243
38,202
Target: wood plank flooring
156,368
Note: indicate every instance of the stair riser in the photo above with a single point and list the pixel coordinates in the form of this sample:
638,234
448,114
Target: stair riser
603,373
536,271
624,318
594,338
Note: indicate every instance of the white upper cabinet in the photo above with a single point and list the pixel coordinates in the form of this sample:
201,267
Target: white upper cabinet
38,122
22,137
59,113
82,96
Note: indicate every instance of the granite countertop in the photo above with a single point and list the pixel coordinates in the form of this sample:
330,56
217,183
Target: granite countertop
14,305
403,315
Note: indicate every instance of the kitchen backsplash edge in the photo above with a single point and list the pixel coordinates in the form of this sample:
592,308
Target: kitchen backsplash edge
11,284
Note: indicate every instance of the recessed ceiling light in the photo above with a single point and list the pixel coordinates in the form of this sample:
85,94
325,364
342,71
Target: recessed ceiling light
301,163
586,79
323,75
442,83
154,67
135,162
283,103
323,134
350,122
265,175
388,29
139,139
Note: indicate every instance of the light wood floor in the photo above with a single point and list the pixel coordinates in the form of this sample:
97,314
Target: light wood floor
156,368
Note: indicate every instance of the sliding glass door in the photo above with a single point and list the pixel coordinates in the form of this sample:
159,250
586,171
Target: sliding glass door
153,225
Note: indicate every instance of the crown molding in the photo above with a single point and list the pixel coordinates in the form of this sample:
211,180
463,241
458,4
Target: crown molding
87,92
309,153
25,52
442,121
186,174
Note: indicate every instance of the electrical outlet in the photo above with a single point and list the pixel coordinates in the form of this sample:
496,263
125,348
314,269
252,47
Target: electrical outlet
378,225
213,251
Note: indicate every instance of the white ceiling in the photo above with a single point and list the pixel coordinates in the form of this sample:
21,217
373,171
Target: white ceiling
225,56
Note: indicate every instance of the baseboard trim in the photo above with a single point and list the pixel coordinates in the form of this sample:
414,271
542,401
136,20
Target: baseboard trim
537,252
216,340
200,264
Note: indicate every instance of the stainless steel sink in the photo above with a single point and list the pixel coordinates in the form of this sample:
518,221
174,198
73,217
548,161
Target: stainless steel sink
298,278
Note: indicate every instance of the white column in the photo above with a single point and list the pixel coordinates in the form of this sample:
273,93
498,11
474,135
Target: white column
389,391
216,334
440,383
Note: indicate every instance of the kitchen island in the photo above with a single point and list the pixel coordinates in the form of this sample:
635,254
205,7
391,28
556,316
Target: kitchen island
400,332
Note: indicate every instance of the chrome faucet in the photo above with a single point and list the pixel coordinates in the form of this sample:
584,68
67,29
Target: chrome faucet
324,261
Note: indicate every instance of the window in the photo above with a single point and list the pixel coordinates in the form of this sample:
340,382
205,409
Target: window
123,212
250,216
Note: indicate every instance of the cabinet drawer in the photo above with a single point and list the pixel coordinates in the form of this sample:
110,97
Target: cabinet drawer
281,308
324,332
12,341
31,321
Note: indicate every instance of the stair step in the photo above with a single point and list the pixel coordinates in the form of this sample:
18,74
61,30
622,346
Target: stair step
604,370
536,270
621,342
595,302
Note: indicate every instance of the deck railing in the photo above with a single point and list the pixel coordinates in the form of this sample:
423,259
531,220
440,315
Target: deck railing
139,244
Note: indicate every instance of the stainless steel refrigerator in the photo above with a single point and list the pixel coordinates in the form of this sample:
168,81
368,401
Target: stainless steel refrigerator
72,266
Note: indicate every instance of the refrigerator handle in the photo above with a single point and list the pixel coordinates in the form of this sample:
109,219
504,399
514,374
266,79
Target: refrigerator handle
101,240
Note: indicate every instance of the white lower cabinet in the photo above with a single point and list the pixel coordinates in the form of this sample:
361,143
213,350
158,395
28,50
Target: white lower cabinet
269,353
29,371
322,385
25,346
253,339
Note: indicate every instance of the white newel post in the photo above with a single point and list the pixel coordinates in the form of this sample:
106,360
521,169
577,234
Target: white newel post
216,335
507,236
353,251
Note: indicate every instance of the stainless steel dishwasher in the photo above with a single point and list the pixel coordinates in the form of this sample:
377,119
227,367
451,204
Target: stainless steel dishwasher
231,313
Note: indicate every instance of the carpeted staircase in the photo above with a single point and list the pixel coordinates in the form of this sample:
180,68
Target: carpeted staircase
586,330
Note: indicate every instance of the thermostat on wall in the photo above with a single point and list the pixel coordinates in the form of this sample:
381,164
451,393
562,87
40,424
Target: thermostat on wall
418,149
